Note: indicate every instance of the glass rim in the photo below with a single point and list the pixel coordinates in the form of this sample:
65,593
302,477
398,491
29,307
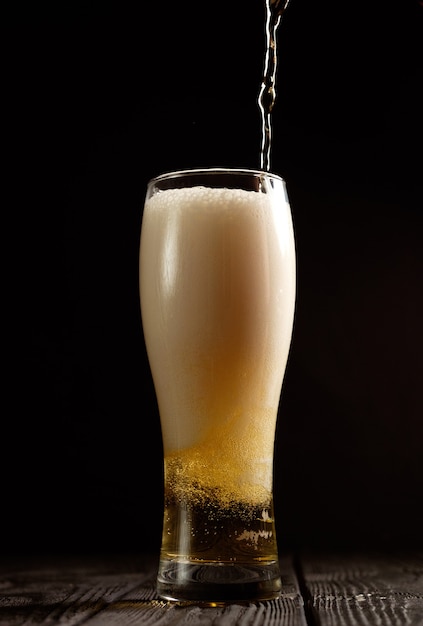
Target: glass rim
242,171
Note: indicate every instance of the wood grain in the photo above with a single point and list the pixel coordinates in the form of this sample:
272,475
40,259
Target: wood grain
321,590
365,590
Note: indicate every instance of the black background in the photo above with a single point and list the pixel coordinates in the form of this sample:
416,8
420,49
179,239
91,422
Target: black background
101,96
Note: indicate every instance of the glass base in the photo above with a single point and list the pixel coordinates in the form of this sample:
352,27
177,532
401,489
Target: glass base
216,583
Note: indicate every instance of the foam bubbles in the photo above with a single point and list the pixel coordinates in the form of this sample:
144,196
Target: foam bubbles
217,295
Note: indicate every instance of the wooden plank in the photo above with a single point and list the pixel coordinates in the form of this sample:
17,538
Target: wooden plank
361,589
65,590
117,591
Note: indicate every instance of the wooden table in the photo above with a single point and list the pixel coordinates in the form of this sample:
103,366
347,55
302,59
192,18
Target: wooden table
317,590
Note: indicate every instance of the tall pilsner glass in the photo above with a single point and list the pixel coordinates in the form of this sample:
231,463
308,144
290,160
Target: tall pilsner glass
217,287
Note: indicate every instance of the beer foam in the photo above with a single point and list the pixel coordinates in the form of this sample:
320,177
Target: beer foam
202,197
217,296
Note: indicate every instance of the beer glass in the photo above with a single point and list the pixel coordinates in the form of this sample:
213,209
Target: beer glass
217,290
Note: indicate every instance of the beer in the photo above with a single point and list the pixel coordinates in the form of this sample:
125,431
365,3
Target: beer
217,285
267,94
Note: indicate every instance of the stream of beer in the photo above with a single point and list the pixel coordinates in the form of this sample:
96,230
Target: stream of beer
267,95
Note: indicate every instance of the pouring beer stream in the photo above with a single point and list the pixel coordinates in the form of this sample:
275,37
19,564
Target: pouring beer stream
267,95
